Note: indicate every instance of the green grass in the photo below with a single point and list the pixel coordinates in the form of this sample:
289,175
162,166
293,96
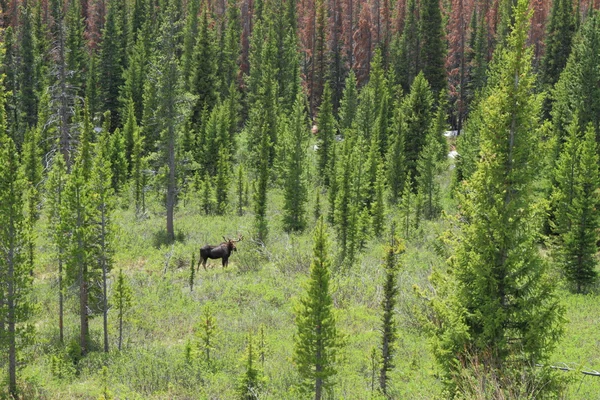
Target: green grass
260,287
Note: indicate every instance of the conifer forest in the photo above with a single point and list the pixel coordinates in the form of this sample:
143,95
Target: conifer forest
299,199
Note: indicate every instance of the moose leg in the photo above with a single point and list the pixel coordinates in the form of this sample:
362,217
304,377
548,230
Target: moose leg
225,261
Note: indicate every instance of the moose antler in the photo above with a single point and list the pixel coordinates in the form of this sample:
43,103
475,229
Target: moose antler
239,239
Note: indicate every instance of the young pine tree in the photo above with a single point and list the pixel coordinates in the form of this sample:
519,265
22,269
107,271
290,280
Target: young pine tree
325,137
249,385
389,332
295,190
123,298
260,192
317,341
498,311
428,167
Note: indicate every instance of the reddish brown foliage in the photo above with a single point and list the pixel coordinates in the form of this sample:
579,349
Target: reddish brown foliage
363,43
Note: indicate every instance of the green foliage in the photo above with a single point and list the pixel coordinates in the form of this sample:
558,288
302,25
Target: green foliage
204,79
417,111
395,160
428,167
295,186
349,103
250,382
123,299
260,192
325,137
559,35
576,195
15,307
498,309
317,340
222,180
433,46
389,330
206,333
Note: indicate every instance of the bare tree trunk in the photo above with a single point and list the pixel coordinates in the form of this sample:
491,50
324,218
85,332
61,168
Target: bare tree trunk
60,298
104,294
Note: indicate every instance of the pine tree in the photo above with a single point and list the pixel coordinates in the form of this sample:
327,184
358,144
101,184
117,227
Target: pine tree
349,103
118,159
260,191
55,192
240,186
76,57
317,341
417,111
249,385
111,62
170,111
389,331
428,168
559,35
103,204
577,91
498,309
433,45
207,331
204,79
577,220
28,98
15,280
407,211
396,166
32,172
222,180
295,190
325,137
378,205
190,34
77,217
137,70
407,51
123,297
233,48
137,169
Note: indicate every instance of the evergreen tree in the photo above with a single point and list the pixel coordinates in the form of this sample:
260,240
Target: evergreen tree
433,45
396,166
28,98
77,217
240,186
498,309
55,192
295,190
577,91
170,111
417,111
123,297
137,169
325,137
137,71
559,35
222,180
232,51
204,79
407,50
118,159
389,331
76,57
32,172
15,280
428,168
407,211
317,340
103,204
378,205
349,103
578,221
250,382
190,34
111,63
260,191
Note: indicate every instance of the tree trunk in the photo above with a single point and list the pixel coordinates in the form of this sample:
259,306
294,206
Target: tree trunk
12,348
104,294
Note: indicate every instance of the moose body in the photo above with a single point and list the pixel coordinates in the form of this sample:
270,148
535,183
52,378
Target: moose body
222,251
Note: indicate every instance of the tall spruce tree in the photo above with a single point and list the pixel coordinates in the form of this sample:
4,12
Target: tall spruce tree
498,310
577,220
417,112
317,340
433,45
325,137
559,35
15,279
295,189
55,195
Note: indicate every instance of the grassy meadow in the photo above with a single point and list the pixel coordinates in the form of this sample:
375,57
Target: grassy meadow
258,294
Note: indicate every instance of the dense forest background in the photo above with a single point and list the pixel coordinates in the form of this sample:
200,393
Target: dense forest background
411,188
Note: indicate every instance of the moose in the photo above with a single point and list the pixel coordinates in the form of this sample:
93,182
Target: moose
222,251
